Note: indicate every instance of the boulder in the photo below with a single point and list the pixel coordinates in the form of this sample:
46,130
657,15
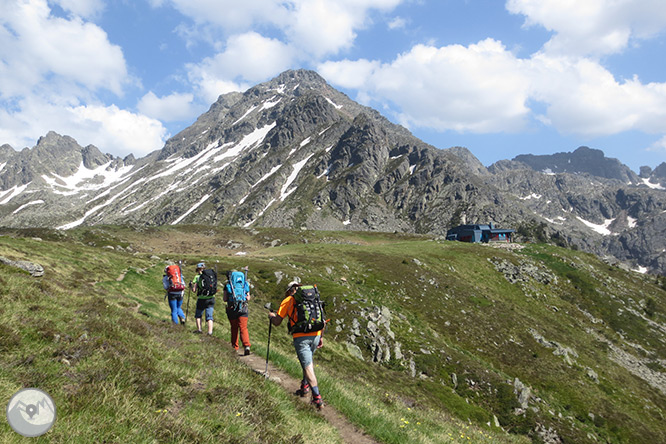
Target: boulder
35,270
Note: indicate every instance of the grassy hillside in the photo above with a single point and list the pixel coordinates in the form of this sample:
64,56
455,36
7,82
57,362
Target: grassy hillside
429,341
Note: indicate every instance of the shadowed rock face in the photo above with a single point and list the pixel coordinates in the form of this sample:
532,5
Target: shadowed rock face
582,160
295,152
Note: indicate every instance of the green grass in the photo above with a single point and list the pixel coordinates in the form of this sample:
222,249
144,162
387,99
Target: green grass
116,375
105,351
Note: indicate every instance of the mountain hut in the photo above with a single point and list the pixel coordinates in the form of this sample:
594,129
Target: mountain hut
479,233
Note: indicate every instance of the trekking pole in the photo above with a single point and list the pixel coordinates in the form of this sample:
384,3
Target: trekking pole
268,347
246,269
180,268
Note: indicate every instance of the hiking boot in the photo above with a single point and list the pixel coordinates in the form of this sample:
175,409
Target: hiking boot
197,332
304,390
317,401
181,320
247,351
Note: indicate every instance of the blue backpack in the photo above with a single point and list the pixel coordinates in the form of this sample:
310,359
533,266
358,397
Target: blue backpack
237,290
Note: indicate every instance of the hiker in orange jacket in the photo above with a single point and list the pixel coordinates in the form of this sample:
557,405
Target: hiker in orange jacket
304,343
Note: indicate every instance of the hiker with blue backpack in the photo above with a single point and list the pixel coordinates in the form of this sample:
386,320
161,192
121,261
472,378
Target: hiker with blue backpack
237,295
174,284
204,285
302,305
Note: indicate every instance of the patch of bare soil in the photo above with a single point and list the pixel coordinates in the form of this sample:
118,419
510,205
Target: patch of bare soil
191,243
348,431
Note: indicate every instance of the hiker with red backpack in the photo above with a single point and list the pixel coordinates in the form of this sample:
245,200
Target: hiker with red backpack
174,284
204,285
302,305
237,295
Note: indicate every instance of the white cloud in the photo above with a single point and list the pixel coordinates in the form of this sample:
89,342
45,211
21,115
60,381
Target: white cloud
109,128
324,27
658,146
51,70
120,131
82,8
171,108
230,15
592,27
480,88
85,126
584,98
37,48
249,56
484,88
397,23
349,74
321,27
313,27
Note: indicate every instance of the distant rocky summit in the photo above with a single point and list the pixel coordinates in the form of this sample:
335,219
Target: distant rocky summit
295,152
582,160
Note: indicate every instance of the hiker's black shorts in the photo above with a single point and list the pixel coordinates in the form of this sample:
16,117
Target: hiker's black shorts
207,306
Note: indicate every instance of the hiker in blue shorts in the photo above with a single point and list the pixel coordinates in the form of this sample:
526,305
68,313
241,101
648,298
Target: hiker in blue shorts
205,286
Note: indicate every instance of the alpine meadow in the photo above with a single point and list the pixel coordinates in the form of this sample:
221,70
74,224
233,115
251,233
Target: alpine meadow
429,340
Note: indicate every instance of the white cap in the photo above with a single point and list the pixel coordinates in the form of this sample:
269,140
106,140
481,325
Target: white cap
292,283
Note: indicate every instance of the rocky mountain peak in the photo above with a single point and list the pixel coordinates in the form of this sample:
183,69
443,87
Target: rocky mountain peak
295,152
304,78
582,160
660,171
92,157
468,159
6,151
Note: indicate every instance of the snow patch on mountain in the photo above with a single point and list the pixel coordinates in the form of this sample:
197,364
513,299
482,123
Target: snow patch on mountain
270,103
122,195
333,103
254,138
108,190
247,113
264,177
194,207
34,202
261,213
77,182
559,220
654,186
12,193
170,188
285,192
599,228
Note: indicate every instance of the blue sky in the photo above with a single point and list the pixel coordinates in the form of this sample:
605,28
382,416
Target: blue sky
501,78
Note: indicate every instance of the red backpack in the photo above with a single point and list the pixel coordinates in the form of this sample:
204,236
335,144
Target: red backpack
175,279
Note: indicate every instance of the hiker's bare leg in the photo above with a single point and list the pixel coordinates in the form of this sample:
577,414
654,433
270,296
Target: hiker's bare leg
210,327
198,323
310,375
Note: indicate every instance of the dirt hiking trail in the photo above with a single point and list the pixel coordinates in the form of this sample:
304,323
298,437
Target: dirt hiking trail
349,433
